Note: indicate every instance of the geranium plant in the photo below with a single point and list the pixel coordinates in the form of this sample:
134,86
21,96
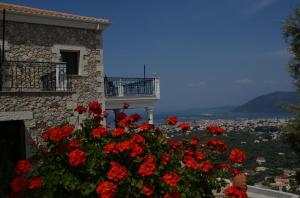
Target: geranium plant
131,160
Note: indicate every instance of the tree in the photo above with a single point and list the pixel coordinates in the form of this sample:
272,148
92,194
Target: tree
291,32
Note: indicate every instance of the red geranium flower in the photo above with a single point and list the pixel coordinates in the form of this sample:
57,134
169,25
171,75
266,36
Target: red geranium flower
23,166
77,157
216,145
174,144
106,189
215,130
118,132
74,144
123,146
206,166
200,155
171,178
18,184
95,108
185,126
111,148
136,150
190,162
137,138
193,142
237,156
58,134
148,190
135,117
148,167
121,116
165,159
80,109
105,114
117,172
99,132
145,127
35,183
234,192
172,120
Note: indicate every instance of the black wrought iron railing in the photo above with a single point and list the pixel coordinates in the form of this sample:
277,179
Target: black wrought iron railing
34,76
123,87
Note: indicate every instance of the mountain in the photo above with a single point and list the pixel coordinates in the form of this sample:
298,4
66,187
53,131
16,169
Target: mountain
275,102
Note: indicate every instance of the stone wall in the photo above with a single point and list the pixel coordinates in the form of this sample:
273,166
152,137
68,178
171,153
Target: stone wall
36,42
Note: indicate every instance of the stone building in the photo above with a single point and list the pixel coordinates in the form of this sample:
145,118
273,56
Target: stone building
50,63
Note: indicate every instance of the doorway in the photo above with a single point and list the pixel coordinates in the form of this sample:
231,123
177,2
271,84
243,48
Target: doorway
12,149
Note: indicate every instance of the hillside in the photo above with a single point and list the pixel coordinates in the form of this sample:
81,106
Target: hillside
276,102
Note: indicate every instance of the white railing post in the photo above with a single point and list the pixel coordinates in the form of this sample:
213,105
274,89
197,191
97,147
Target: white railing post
61,77
120,89
157,87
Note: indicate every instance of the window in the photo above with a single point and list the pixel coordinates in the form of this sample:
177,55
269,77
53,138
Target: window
72,60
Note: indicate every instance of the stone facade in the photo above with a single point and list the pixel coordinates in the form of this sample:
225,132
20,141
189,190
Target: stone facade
42,43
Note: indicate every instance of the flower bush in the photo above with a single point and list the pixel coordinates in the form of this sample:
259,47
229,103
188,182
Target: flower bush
130,160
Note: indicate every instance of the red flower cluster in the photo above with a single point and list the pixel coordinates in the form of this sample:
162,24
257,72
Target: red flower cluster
106,189
118,131
120,116
216,145
74,144
184,126
80,109
145,127
35,182
171,178
23,167
165,159
95,108
135,117
76,157
99,132
18,184
234,192
172,120
148,167
215,130
193,142
117,172
237,156
147,190
58,134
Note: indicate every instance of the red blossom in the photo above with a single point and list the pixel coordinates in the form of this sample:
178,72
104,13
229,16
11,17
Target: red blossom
117,172
206,166
35,182
145,127
215,130
165,159
234,192
18,184
23,166
121,116
99,132
74,144
172,120
216,145
76,157
95,108
193,142
126,122
147,190
58,134
137,138
105,114
124,146
136,150
110,148
184,126
106,189
148,167
171,178
174,144
237,156
118,132
135,117
80,109
190,162
200,156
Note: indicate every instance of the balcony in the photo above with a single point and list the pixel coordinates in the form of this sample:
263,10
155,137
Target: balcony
26,76
138,92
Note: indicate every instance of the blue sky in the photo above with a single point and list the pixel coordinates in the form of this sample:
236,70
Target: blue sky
207,52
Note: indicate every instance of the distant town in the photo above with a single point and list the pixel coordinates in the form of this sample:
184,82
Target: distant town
271,163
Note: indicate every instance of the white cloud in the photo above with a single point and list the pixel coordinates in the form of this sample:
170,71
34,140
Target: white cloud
260,5
197,84
244,81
